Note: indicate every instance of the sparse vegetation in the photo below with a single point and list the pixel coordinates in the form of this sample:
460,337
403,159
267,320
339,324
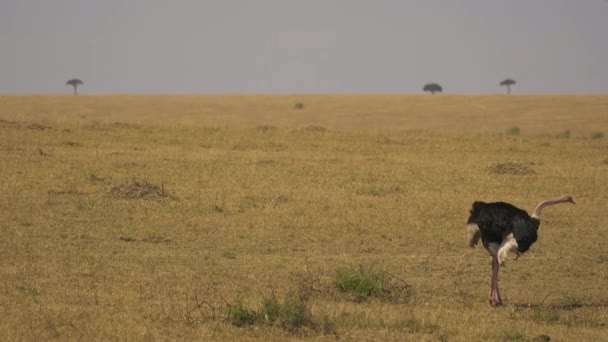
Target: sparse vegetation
514,131
237,314
544,314
597,135
257,207
564,135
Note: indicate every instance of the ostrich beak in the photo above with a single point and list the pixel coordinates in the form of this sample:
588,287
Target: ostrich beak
571,200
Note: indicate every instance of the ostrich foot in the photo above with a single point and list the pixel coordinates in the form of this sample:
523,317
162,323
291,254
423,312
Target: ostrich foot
494,297
495,301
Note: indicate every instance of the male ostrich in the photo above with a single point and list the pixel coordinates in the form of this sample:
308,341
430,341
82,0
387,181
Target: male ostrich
503,228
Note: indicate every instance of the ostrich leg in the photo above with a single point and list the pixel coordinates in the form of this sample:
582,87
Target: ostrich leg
494,298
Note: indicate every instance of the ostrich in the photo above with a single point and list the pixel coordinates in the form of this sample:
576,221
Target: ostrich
504,228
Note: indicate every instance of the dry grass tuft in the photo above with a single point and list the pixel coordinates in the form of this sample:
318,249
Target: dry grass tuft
541,338
511,168
67,192
143,190
314,128
266,128
27,125
36,126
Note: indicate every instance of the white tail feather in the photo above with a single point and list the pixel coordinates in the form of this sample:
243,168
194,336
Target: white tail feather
473,234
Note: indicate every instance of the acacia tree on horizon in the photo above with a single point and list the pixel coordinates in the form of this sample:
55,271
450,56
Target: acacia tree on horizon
507,83
75,82
433,88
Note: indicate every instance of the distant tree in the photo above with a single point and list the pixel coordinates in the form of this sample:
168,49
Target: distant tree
432,88
74,83
507,83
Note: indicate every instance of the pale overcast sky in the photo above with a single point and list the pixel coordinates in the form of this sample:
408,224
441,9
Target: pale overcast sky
312,46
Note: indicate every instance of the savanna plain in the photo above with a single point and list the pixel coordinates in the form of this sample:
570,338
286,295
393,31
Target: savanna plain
287,217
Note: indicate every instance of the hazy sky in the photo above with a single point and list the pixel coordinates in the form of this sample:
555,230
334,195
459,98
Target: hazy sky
313,46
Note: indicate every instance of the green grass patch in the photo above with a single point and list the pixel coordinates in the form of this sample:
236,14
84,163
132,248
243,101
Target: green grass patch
291,314
363,283
239,315
513,336
544,315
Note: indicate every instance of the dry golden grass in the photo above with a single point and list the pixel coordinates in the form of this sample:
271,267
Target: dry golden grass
147,217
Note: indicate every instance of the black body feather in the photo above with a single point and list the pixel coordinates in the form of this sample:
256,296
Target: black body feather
499,219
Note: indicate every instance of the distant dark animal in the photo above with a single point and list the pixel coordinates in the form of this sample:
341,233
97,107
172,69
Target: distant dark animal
504,228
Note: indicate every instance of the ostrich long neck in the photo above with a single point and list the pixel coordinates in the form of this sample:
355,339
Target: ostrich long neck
544,204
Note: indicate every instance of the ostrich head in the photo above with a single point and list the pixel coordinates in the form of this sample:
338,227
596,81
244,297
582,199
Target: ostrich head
541,205
567,198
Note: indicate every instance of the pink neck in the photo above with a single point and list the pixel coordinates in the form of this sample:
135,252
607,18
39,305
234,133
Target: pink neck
544,204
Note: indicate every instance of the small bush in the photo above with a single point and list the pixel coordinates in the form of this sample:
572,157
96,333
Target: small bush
513,131
597,135
360,282
298,106
239,315
291,314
